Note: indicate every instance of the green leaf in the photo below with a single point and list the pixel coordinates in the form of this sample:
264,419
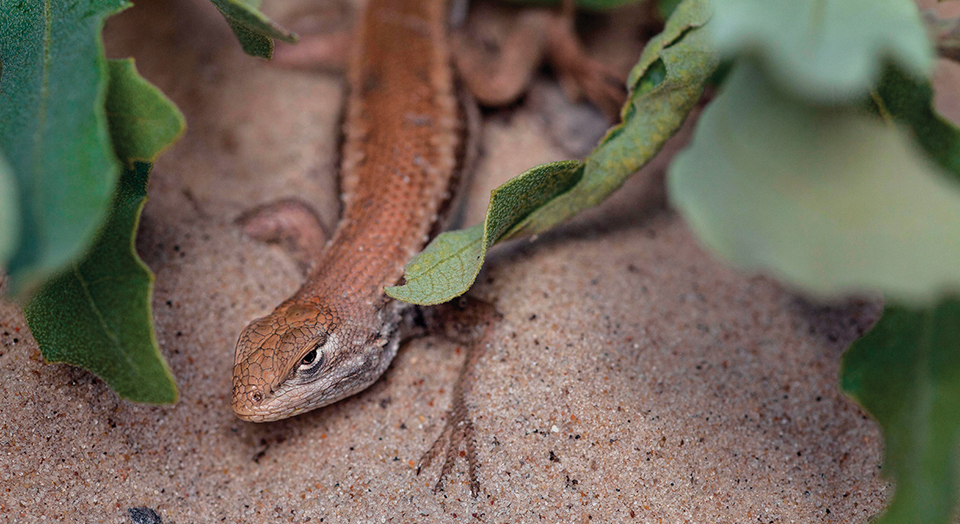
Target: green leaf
911,102
824,51
906,373
666,83
97,313
254,30
830,201
450,264
9,211
53,131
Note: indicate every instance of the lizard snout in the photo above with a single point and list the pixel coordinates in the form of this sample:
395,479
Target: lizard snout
250,402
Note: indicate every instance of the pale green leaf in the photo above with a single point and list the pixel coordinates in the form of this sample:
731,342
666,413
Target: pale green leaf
450,264
665,85
824,51
830,201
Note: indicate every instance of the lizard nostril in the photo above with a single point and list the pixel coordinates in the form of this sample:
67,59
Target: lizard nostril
256,396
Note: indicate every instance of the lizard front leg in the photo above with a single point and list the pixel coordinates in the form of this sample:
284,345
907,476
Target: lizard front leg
291,223
469,321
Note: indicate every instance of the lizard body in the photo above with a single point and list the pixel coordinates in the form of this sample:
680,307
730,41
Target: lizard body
400,160
404,148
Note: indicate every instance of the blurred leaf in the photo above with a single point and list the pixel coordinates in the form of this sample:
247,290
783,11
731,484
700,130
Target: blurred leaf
826,52
906,373
53,131
830,201
9,211
666,83
911,103
254,30
97,314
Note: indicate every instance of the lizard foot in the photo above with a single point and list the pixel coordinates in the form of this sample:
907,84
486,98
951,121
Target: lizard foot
458,433
497,58
498,68
578,72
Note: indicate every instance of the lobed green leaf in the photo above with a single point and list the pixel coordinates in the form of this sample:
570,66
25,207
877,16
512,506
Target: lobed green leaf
53,132
906,373
255,31
824,52
142,121
97,313
665,84
830,201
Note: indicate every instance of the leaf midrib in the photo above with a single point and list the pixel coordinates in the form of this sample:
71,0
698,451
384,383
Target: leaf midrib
107,330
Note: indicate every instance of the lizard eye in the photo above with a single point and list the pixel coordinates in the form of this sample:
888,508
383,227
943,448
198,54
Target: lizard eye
311,362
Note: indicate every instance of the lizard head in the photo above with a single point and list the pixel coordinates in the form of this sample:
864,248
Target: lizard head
302,357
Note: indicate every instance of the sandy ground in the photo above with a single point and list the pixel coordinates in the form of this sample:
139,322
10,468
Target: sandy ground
634,378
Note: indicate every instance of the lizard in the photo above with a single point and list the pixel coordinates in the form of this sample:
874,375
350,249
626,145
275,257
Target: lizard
403,154
339,331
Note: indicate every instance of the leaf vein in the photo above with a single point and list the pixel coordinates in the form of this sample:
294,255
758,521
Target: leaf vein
108,332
